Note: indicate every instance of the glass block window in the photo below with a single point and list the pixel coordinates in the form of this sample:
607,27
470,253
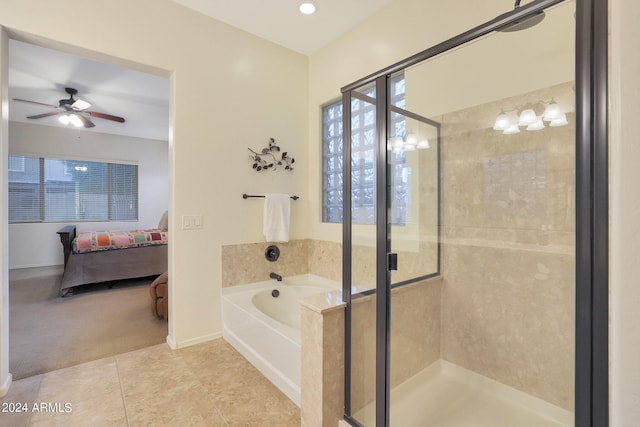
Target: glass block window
58,190
332,163
363,157
400,174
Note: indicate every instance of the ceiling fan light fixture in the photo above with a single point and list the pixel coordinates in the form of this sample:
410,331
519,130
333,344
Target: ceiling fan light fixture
307,8
79,105
75,120
72,111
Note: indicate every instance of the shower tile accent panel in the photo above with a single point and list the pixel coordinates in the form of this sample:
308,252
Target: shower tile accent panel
246,263
508,248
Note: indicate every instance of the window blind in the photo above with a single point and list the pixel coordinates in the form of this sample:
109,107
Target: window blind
56,190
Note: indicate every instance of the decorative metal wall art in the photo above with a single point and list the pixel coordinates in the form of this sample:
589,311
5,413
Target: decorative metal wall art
267,158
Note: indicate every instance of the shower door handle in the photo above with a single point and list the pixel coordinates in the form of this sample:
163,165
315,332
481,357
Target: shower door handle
392,261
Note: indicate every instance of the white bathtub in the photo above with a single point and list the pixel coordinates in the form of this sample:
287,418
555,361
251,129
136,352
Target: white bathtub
266,329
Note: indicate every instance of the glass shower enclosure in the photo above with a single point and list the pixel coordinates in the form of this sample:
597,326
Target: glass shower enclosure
459,230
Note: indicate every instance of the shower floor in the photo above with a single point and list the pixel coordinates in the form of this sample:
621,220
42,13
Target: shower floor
445,395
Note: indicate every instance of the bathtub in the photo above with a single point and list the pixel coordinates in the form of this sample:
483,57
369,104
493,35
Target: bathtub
266,329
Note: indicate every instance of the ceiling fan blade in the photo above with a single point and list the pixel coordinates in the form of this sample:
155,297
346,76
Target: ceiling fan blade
35,102
105,116
86,122
39,116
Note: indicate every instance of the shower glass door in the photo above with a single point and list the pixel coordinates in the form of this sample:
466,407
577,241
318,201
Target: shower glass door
460,231
492,341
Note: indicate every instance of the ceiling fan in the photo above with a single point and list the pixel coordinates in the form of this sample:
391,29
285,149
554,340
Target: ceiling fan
73,111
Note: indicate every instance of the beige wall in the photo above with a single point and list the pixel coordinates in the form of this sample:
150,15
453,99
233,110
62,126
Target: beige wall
221,79
5,375
625,210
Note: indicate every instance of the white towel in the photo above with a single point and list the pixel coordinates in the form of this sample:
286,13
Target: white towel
277,214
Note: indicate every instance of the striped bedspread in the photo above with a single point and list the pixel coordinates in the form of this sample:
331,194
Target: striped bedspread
91,241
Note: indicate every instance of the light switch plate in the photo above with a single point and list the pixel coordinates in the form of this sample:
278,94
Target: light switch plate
191,222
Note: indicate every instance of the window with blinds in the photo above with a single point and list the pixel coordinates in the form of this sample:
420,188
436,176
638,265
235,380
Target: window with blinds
57,190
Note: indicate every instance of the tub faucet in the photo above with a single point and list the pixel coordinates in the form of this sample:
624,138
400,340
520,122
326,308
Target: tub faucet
275,276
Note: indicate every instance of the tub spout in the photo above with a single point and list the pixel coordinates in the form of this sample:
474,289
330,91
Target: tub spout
275,276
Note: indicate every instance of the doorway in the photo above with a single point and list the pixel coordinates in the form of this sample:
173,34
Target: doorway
40,74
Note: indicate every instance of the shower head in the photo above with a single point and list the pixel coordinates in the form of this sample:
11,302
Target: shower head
524,23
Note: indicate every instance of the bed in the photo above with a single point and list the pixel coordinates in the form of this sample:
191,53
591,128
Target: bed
105,256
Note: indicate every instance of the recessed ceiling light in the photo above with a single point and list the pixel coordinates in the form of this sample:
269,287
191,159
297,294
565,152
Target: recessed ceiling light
307,7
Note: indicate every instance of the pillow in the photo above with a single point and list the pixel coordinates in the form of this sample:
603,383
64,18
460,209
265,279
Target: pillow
164,221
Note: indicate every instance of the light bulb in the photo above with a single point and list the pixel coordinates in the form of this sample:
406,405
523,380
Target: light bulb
307,8
502,122
75,120
423,144
412,139
559,122
64,119
527,117
511,130
537,125
552,112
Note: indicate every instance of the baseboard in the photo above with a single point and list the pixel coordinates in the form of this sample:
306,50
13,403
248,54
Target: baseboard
19,267
4,388
188,343
172,344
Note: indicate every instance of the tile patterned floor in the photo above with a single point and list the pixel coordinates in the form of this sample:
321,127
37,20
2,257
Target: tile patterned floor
205,385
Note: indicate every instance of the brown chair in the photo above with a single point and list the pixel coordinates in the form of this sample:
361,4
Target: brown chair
160,296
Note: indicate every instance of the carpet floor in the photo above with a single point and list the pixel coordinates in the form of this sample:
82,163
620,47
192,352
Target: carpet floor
47,332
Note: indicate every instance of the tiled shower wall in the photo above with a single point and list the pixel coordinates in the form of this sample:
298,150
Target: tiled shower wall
246,263
508,231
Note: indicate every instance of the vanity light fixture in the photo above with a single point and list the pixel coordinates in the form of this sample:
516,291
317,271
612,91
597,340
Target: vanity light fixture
423,144
307,8
410,143
509,122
